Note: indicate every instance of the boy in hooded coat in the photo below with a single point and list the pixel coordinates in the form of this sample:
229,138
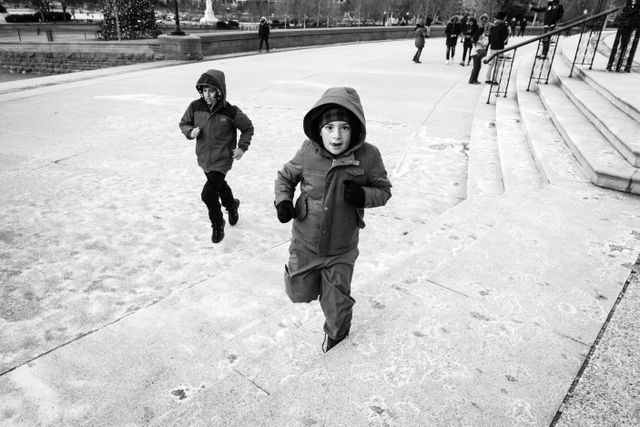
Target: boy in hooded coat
339,175
214,123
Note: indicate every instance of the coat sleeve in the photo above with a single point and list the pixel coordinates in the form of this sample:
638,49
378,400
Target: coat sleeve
288,178
186,123
378,189
245,126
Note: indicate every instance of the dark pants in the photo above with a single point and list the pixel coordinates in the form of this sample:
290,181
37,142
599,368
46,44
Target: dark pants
451,50
619,48
214,191
632,51
477,64
266,42
416,57
547,40
466,47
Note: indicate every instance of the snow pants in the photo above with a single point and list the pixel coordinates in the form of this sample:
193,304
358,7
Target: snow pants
309,276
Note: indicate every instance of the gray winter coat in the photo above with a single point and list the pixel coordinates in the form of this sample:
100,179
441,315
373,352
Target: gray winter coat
218,126
325,223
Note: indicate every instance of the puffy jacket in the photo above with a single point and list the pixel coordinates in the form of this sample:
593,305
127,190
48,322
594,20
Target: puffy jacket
325,223
218,126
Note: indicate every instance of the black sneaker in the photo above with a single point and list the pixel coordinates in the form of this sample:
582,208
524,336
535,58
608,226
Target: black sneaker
233,212
218,231
329,342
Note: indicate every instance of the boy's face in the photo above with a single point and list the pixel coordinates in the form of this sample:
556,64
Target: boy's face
336,136
210,95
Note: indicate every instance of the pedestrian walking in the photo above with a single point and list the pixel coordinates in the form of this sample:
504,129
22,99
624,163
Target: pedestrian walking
420,33
213,122
467,38
452,30
427,24
553,13
263,33
340,174
523,27
498,37
512,26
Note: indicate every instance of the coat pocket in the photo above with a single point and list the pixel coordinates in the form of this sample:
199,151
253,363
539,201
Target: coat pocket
356,175
302,207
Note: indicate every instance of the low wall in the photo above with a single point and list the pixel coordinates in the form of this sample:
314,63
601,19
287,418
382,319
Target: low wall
69,55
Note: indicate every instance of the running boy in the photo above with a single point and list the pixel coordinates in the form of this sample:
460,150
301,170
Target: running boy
339,175
214,123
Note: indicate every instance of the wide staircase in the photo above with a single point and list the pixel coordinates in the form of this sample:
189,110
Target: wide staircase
493,306
485,317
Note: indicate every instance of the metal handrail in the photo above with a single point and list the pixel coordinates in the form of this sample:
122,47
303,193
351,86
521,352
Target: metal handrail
550,33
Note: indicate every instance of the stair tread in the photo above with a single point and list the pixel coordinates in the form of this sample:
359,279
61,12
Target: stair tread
519,170
621,89
483,173
555,160
605,165
619,128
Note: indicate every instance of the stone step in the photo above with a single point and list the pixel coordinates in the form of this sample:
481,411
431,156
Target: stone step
603,164
519,169
484,170
554,159
505,335
619,88
620,129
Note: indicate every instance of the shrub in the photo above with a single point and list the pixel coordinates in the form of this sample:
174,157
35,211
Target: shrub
136,19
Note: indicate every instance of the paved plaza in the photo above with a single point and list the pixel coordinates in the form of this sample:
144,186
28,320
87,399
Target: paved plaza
116,308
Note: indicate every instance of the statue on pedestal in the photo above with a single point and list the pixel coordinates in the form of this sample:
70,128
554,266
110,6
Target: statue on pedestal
209,17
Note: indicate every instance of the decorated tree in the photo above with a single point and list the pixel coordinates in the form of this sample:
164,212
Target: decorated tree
129,19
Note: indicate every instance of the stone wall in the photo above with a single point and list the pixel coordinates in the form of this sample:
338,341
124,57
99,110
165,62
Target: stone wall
68,56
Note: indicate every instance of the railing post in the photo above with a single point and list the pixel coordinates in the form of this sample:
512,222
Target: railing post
575,57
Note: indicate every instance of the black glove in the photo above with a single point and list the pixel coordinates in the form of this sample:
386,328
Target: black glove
354,194
286,211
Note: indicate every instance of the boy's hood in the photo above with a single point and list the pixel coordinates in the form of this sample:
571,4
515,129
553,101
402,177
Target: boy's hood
345,97
213,78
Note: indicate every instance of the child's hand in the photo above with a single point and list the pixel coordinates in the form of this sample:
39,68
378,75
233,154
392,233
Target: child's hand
286,211
354,194
238,153
195,132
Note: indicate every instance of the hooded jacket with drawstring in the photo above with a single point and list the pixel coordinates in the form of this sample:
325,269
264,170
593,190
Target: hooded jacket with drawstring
325,223
218,126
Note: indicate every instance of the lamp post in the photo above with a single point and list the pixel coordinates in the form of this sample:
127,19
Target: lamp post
177,31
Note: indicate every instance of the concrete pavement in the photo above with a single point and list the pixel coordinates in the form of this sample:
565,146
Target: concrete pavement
117,309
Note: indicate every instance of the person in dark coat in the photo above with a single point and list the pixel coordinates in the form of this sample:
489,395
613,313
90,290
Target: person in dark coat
420,33
263,33
339,174
427,24
451,32
213,123
523,26
469,30
553,13
498,37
